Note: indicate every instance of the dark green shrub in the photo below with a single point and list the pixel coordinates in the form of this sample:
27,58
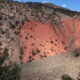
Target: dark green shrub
3,32
51,42
11,17
21,51
0,44
37,50
10,72
29,60
1,17
2,1
33,52
3,56
17,22
77,52
63,42
20,57
23,22
17,33
30,57
12,26
31,36
66,77
26,37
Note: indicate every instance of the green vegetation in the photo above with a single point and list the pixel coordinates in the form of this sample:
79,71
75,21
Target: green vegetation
23,22
1,17
33,52
11,17
16,32
3,56
2,1
51,42
26,37
20,57
3,32
0,44
37,50
41,56
76,52
31,36
35,5
12,26
66,77
67,12
62,10
63,42
21,51
10,72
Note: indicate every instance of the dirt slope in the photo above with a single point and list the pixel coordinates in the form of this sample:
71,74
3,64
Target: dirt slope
52,68
32,31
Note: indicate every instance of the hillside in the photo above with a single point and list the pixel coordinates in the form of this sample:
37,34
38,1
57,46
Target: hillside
51,30
44,39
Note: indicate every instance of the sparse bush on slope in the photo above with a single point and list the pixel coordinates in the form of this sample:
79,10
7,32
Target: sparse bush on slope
76,52
3,56
66,77
10,72
2,1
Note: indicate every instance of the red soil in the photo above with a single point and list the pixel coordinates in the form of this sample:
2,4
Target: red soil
38,39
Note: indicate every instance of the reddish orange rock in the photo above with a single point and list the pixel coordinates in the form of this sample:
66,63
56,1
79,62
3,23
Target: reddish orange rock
39,40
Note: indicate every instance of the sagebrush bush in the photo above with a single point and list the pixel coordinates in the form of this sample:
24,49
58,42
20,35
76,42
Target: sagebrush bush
66,77
76,52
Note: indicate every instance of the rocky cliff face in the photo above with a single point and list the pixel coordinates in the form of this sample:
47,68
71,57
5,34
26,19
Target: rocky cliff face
32,31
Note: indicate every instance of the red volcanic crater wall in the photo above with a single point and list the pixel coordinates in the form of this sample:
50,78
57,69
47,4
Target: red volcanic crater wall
39,40
77,33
